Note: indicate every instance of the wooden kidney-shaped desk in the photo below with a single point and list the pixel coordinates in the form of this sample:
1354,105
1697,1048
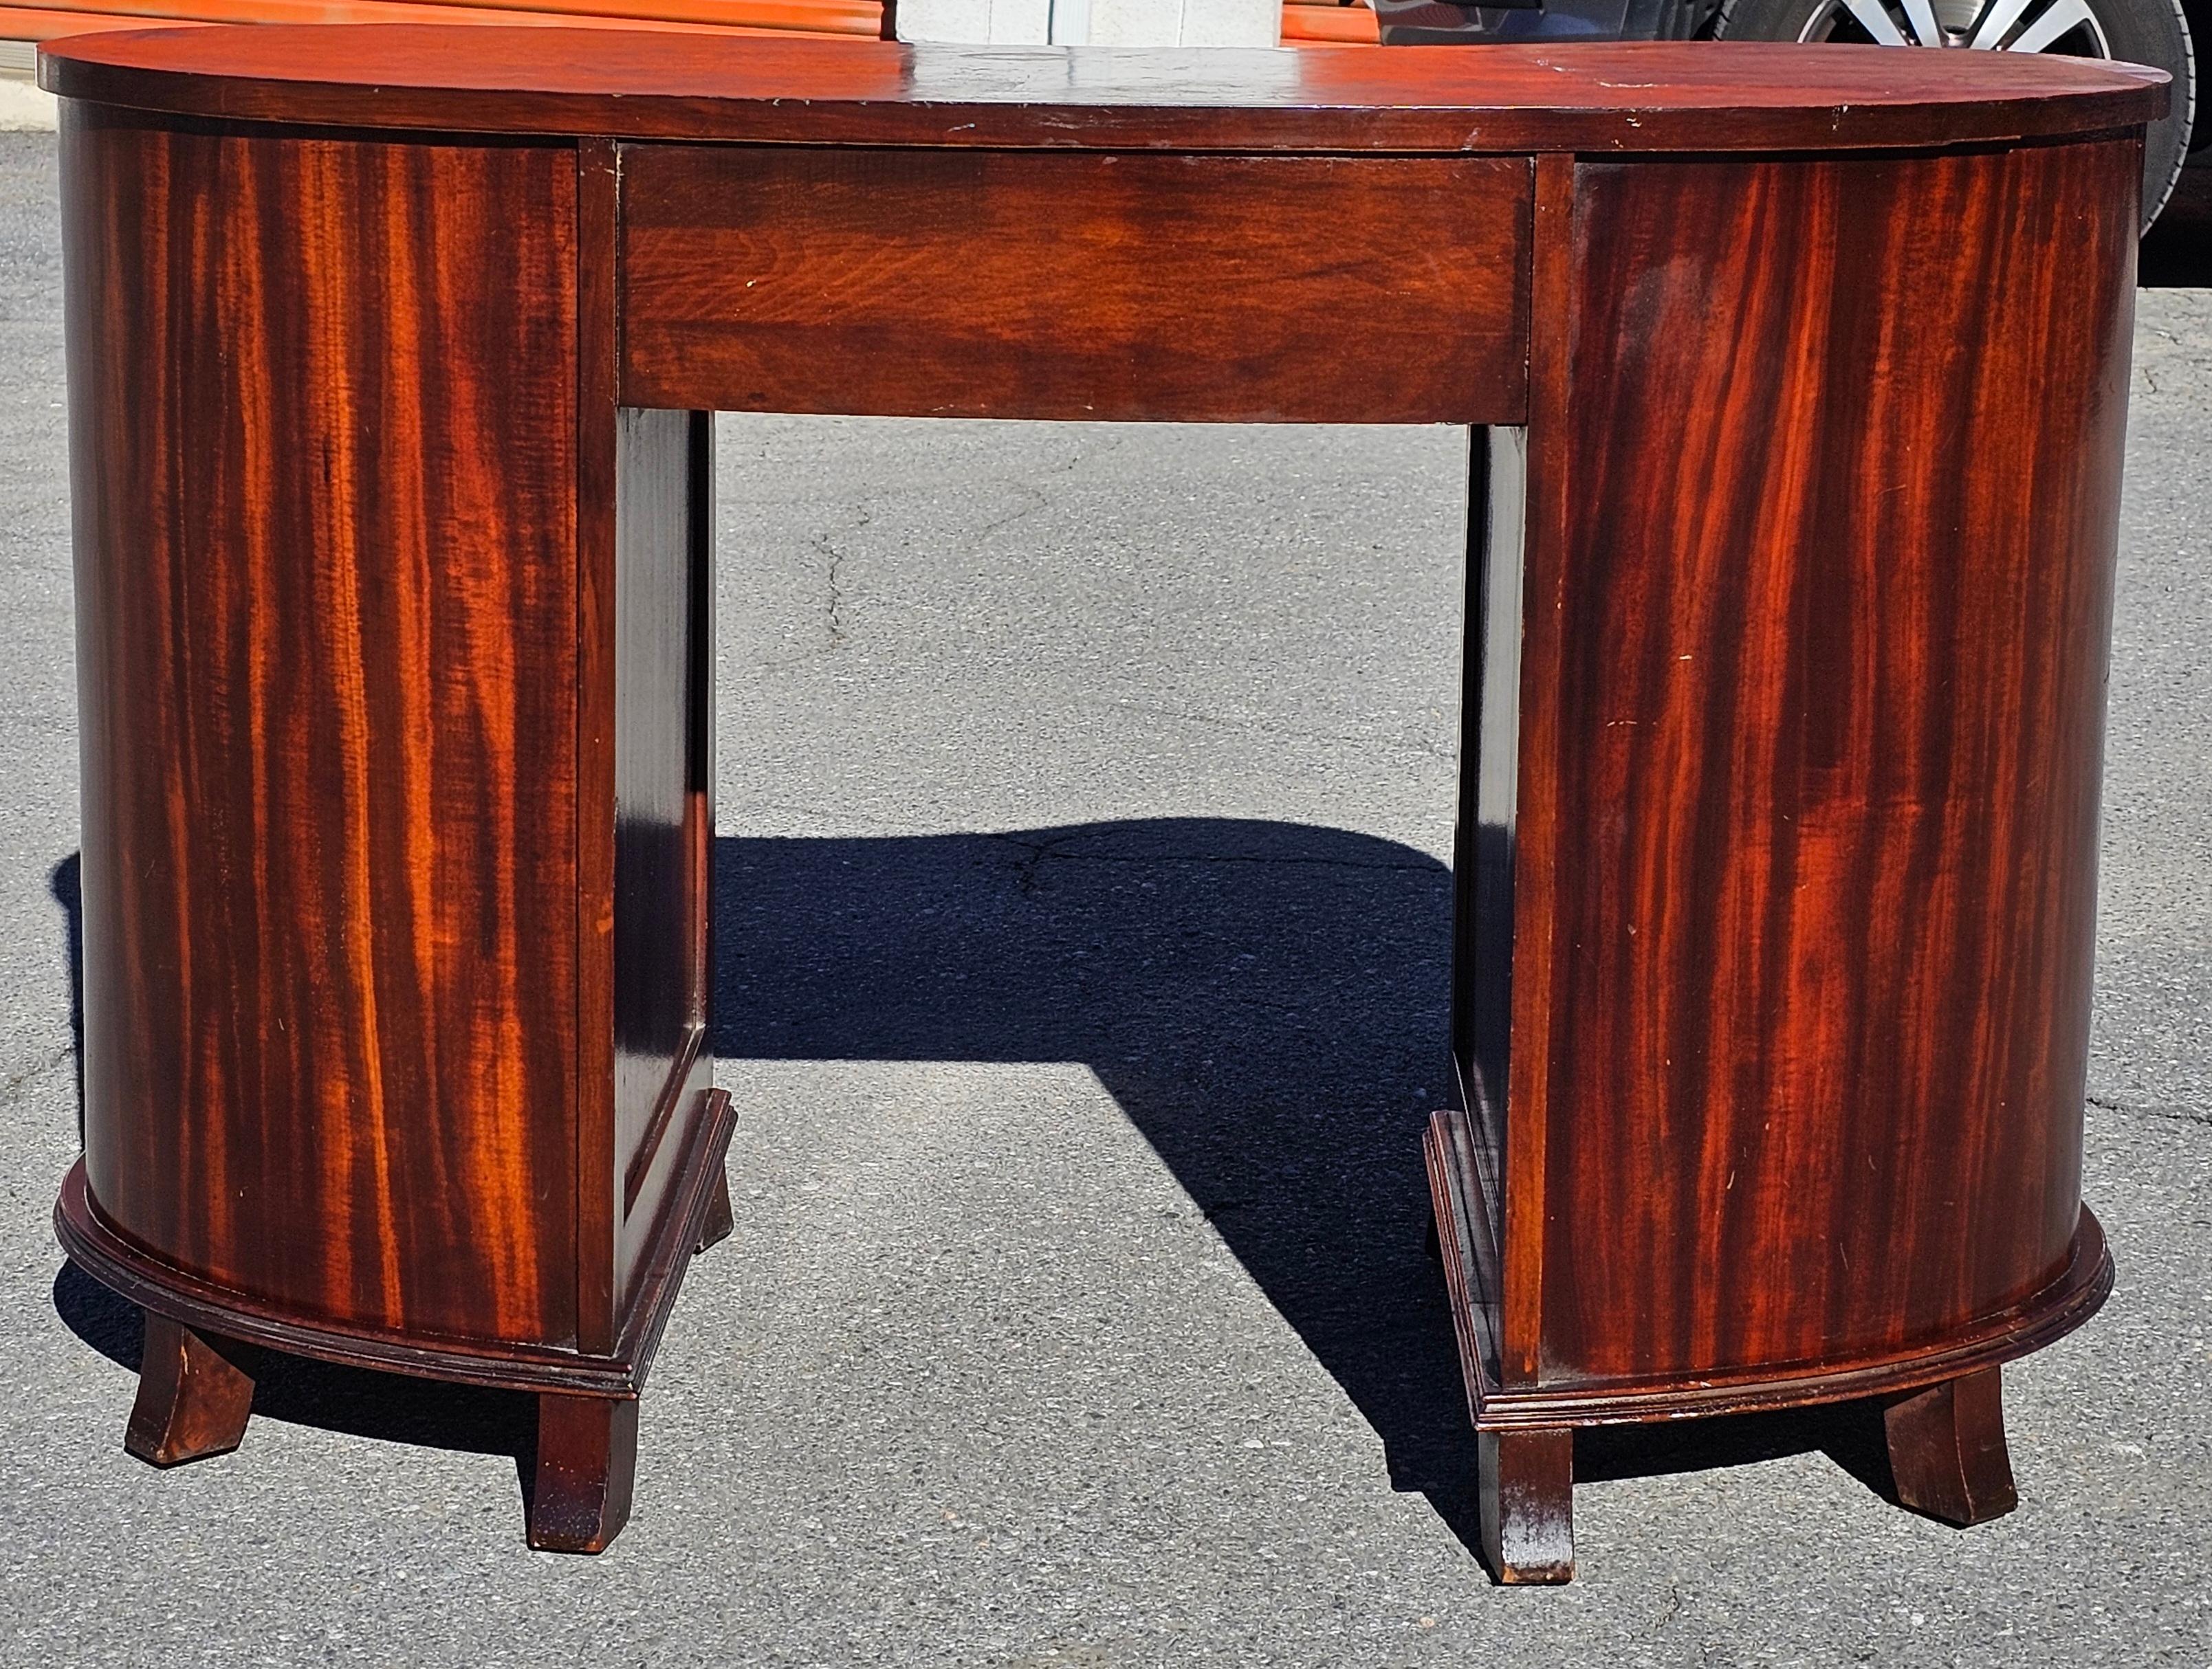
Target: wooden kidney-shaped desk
1803,378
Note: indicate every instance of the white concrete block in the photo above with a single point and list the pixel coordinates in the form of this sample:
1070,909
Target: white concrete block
944,20
1071,23
1232,23
1094,23
1136,22
24,108
1021,22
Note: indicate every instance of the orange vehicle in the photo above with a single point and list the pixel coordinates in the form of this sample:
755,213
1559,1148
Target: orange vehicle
1306,22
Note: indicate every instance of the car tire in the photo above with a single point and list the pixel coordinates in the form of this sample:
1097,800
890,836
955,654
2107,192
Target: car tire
2152,32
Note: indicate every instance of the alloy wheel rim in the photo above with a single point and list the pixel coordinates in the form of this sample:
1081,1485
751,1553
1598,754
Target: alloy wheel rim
2011,25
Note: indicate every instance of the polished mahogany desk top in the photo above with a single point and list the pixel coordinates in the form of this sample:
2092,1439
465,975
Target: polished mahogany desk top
1626,97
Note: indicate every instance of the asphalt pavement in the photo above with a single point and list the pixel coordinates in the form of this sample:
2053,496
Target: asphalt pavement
1086,803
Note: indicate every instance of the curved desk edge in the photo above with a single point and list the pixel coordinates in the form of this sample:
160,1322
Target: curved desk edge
1624,98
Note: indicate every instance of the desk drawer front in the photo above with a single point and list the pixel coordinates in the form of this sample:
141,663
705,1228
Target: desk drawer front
1030,284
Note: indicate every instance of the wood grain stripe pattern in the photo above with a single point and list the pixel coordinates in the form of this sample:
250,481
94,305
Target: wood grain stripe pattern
982,284
323,443
1823,757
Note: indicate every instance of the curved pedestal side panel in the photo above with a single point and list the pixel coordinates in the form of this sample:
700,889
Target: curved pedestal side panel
1821,509
1813,695
323,435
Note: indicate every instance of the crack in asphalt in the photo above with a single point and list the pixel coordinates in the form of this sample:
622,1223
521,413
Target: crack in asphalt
973,539
12,1087
2171,1114
1264,727
834,578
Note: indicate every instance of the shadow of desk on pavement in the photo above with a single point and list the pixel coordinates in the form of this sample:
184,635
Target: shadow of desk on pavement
1266,1002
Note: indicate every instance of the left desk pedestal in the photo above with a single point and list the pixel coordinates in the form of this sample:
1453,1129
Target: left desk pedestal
392,659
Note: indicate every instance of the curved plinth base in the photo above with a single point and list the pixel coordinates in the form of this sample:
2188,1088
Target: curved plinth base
2051,1313
196,1389
1943,1420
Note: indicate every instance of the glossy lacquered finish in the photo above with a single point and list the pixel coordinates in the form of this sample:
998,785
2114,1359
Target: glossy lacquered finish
973,283
1841,646
1790,587
1634,96
322,486
363,1076
1777,1069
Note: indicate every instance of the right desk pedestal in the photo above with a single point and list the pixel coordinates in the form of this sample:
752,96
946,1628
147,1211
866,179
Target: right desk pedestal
1787,635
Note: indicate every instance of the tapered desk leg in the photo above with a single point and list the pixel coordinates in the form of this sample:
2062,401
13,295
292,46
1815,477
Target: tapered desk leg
714,1227
1527,1484
1947,1450
193,1401
587,1465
